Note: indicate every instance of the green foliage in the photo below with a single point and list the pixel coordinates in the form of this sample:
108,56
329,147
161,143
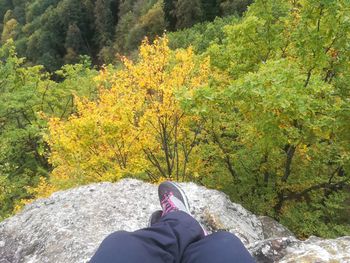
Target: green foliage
5,5
228,7
25,93
254,41
187,13
275,136
10,30
74,44
103,22
137,20
201,35
47,25
20,128
211,9
150,24
184,13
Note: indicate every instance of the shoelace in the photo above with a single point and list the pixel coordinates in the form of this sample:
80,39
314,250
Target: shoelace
167,204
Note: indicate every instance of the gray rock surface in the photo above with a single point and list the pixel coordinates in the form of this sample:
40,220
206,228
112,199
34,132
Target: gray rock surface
273,229
312,250
70,225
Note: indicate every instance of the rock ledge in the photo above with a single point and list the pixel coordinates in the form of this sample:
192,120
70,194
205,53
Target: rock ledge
70,225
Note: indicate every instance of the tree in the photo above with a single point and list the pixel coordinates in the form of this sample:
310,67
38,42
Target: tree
211,9
26,94
150,25
74,44
281,100
188,13
5,5
124,27
8,16
136,126
229,7
35,9
10,30
169,14
19,10
21,158
201,36
104,22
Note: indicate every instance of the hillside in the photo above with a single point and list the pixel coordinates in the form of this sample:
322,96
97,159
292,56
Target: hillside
57,32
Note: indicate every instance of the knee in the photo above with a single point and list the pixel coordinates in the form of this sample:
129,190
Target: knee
122,236
224,235
112,248
227,237
233,246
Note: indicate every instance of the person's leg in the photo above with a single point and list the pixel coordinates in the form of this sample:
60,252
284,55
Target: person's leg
163,242
219,247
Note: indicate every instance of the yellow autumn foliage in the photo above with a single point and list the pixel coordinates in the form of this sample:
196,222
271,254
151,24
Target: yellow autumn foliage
136,126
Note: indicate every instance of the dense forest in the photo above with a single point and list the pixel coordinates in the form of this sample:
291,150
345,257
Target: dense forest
55,32
253,102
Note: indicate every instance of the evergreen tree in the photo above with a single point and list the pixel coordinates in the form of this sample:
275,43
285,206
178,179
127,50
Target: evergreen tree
103,23
106,26
10,30
169,14
74,39
188,12
211,9
73,12
114,7
228,7
5,5
19,10
74,44
8,15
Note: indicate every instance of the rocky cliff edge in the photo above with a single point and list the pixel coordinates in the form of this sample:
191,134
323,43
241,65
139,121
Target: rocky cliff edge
70,225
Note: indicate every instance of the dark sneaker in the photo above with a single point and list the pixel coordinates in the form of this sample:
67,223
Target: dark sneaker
172,198
156,215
